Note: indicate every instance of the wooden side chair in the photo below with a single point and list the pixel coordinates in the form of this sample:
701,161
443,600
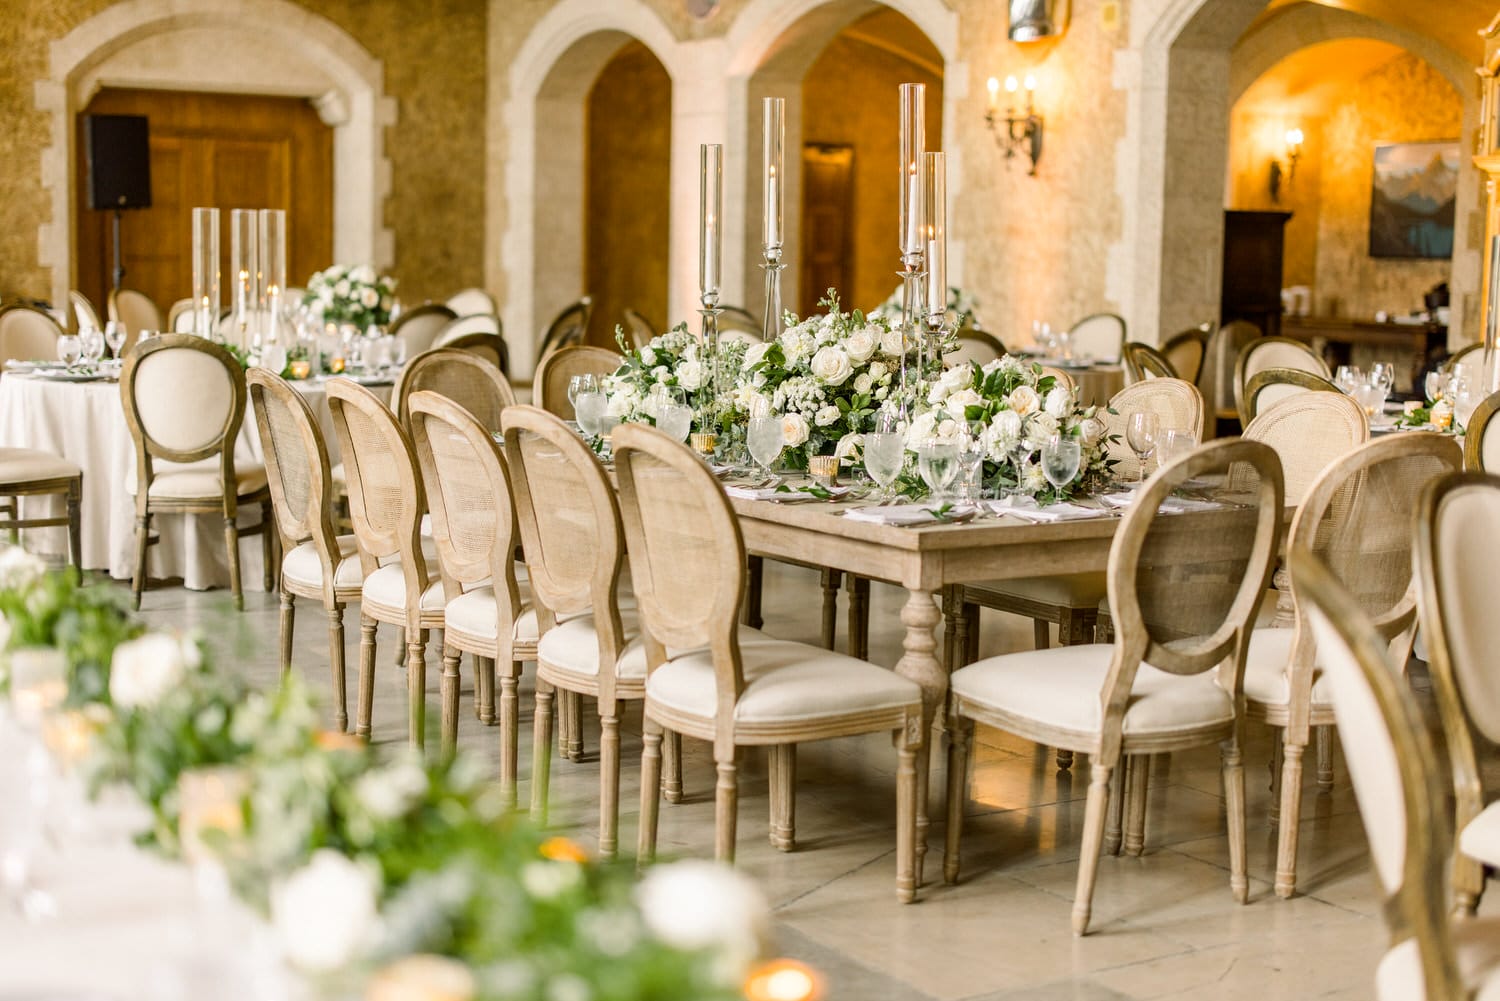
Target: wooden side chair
85,316
1183,590
1482,437
469,301
489,347
180,317
1064,380
386,504
135,310
317,563
975,346
1142,362
1309,432
29,472
1398,784
419,326
1185,351
1272,385
184,400
27,334
639,329
1462,356
1099,337
1217,379
687,562
487,612
465,378
550,386
473,323
567,328
1356,520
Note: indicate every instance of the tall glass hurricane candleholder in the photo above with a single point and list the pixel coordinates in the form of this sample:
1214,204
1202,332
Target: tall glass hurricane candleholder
206,297
710,266
244,271
913,245
272,238
935,192
773,237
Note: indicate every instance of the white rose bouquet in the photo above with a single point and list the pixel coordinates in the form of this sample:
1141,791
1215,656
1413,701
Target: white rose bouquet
352,295
672,360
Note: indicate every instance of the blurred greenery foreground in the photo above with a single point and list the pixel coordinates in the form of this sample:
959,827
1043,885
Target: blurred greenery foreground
392,879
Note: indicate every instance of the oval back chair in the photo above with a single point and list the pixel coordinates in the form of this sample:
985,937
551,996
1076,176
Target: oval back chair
1309,431
489,347
1461,356
1177,403
470,301
1264,353
1142,362
1217,380
1186,351
1099,337
569,327
419,326
741,319
550,387
462,326
180,317
1482,437
27,334
975,346
85,316
465,378
136,311
1273,385
638,330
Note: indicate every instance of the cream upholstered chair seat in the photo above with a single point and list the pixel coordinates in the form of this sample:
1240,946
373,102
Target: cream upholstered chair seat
573,646
1480,838
186,480
1080,590
301,565
386,589
1059,690
1265,670
785,683
473,615
1476,947
19,464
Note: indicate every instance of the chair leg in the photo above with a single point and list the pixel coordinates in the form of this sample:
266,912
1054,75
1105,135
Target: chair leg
1138,776
336,664
1041,632
484,701
232,543
784,797
509,734
142,537
1234,804
1291,815
1278,760
288,620
671,783
959,735
401,647
366,676
75,523
267,547
906,822
972,617
650,792
1077,626
831,579
1093,835
726,808
859,617
574,731
609,785
541,751
450,683
416,686
1468,885
1115,823
1325,758
755,568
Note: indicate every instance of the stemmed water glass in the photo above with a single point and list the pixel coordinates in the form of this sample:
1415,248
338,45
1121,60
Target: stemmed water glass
937,463
971,453
674,417
1061,456
91,345
1348,378
1176,443
764,438
584,382
1384,373
1141,434
589,407
69,347
885,452
1434,384
114,336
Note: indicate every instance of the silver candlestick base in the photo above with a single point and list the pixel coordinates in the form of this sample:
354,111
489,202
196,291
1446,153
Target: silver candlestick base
772,265
912,275
709,394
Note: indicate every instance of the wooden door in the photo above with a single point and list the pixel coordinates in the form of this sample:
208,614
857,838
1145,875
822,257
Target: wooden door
216,150
827,215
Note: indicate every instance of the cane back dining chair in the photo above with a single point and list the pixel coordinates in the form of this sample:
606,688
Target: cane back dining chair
550,386
317,563
1482,437
1397,784
1357,520
487,612
386,503
180,317
85,316
465,378
568,328
1099,337
27,334
184,400
1456,554
1185,350
1183,589
476,323
1217,379
1270,386
489,347
1142,362
1462,356
419,326
703,680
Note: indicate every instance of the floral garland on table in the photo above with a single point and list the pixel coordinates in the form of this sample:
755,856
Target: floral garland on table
403,875
1021,408
352,295
671,360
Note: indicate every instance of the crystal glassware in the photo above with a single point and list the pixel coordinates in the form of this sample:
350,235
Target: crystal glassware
1348,378
91,345
589,407
1061,456
937,464
114,336
1433,385
1140,435
585,382
971,453
1176,443
675,420
69,347
765,438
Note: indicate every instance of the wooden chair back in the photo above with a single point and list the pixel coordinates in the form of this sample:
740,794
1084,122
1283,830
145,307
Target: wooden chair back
463,326
489,347
741,319
27,334
1186,351
1143,362
136,311
569,327
1277,352
1309,432
975,346
419,326
469,301
386,499
463,377
1461,356
638,330
180,318
1273,385
1397,783
550,386
85,316
1177,404
1062,378
1482,437
1099,337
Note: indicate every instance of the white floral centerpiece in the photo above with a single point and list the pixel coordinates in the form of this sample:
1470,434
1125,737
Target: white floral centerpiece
672,360
963,308
1020,408
352,295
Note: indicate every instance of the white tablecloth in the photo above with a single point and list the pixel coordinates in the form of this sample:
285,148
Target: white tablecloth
85,423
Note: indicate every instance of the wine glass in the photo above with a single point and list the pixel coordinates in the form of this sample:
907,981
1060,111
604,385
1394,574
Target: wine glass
590,407
1141,434
885,452
764,437
1384,373
1371,397
397,349
69,347
1061,456
1433,385
674,418
584,382
1176,443
114,336
1466,398
937,463
971,452
91,345
1348,378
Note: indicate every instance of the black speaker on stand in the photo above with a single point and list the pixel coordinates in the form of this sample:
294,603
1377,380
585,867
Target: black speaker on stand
118,152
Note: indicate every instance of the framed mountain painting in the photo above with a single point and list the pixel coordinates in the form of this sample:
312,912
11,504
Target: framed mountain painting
1411,204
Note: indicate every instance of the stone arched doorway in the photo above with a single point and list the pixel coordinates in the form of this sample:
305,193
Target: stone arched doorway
237,46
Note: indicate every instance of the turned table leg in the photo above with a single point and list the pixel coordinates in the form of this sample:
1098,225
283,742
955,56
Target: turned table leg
919,662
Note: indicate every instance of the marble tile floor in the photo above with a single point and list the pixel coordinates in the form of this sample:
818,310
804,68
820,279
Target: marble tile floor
1165,924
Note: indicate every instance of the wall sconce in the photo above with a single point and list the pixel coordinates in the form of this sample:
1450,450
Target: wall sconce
1022,131
1278,173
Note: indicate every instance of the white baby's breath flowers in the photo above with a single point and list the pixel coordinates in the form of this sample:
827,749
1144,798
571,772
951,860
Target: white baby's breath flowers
1034,480
696,904
648,356
325,912
144,669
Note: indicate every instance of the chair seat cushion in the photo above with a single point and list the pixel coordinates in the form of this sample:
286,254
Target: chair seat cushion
197,480
1075,590
28,465
785,682
1266,667
1476,946
302,565
1480,838
474,613
387,586
1060,688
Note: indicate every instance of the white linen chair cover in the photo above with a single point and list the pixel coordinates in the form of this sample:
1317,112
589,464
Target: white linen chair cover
1099,338
469,301
27,334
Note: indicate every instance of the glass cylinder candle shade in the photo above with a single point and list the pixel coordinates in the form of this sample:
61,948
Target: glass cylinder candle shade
206,298
913,145
38,683
774,153
244,271
935,190
273,272
711,235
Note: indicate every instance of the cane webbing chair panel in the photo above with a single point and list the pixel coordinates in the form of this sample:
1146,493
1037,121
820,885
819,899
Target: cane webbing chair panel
1186,351
1177,404
466,379
296,461
386,501
1309,431
1277,352
558,368
1271,386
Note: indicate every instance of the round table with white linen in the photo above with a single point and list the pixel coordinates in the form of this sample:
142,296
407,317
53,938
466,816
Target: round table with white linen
84,422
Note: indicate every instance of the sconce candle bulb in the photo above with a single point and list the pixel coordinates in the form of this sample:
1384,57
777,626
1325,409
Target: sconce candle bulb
1022,129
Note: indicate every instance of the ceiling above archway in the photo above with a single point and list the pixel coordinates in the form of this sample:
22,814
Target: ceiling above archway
1308,78
1454,23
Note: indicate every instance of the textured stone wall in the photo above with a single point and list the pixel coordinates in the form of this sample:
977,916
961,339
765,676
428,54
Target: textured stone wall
435,66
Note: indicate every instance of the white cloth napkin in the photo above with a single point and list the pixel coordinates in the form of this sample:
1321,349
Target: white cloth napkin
906,514
1028,510
791,496
1172,505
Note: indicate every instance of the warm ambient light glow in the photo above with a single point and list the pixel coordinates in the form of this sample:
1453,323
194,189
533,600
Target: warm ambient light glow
1030,83
1293,138
1010,85
783,980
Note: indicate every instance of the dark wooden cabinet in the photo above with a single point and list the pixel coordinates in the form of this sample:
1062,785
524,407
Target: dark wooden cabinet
1252,268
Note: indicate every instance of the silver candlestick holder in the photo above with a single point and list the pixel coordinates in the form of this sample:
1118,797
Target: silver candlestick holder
930,358
912,275
709,397
772,265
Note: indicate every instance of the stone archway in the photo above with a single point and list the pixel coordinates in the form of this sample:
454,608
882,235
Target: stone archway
239,46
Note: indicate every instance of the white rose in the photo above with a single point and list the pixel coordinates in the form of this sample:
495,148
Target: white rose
142,670
1023,400
660,373
364,274
832,365
648,356
1059,402
621,405
1007,427
862,343
828,415
690,375
370,298
388,793
324,913
550,880
920,431
342,288
958,377
794,430
756,353
692,905
19,569
937,394
891,342
877,371
962,399
1090,432
863,383
947,430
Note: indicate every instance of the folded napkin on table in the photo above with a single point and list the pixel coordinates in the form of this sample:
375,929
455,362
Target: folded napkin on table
908,514
780,493
1172,505
1028,510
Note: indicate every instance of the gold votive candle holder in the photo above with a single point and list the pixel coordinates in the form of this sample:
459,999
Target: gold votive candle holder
301,368
824,470
705,443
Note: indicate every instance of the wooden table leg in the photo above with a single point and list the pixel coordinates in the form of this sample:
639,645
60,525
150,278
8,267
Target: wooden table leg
919,662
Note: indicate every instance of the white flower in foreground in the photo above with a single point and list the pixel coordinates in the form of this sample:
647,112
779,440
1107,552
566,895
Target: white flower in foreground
324,912
1034,481
369,297
648,356
364,274
863,383
549,880
696,904
19,569
891,342
832,365
143,670
794,430
1023,400
828,415
422,976
389,792
964,398
862,344
690,375
756,353
1091,431
1006,427
1059,402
